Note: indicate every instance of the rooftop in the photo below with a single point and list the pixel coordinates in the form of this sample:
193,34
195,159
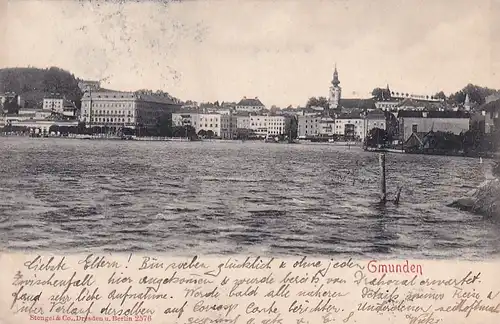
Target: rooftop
375,114
352,115
433,114
250,102
357,103
491,106
148,97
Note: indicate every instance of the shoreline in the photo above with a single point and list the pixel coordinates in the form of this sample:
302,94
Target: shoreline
487,155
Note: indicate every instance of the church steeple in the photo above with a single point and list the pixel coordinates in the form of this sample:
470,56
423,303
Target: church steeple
335,80
335,90
467,104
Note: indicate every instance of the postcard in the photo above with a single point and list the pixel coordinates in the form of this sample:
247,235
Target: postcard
250,161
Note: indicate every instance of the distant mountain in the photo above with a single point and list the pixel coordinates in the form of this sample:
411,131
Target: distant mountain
33,83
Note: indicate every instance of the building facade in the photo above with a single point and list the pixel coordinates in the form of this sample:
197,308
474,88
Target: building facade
410,122
262,125
308,125
125,109
387,105
375,119
53,103
351,126
221,125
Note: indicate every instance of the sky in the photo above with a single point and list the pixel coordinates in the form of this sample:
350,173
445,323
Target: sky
282,51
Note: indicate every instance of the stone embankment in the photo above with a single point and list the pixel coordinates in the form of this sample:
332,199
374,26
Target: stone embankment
486,199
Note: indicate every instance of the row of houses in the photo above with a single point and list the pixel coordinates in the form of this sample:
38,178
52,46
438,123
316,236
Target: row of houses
225,124
353,125
401,124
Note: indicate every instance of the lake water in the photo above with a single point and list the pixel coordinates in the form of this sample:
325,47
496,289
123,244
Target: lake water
233,197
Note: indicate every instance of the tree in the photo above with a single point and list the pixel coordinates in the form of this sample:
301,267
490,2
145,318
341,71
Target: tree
377,136
477,94
11,106
164,126
439,95
184,131
210,133
317,102
381,94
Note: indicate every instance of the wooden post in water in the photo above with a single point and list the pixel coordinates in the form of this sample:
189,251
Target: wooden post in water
383,188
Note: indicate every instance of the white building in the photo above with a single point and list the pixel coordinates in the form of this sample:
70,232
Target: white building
54,103
387,105
350,125
265,125
249,105
222,125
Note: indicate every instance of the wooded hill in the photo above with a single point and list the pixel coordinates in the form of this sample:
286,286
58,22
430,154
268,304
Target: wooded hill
33,83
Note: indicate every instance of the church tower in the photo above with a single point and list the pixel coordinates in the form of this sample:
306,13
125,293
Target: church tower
467,102
335,91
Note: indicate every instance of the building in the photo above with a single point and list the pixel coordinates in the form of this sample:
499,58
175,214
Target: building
221,125
31,113
375,119
53,102
308,125
335,91
135,110
263,125
42,126
410,122
278,125
399,96
326,126
490,113
389,105
492,97
249,105
350,125
60,105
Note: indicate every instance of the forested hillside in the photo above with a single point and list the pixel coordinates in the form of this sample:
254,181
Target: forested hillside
33,83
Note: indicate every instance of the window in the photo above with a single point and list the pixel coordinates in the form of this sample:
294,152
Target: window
414,128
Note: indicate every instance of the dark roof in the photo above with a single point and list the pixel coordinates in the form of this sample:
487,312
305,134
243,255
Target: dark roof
411,103
376,114
434,114
491,106
349,116
143,96
357,103
250,102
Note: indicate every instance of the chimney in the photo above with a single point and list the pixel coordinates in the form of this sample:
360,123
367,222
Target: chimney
256,98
